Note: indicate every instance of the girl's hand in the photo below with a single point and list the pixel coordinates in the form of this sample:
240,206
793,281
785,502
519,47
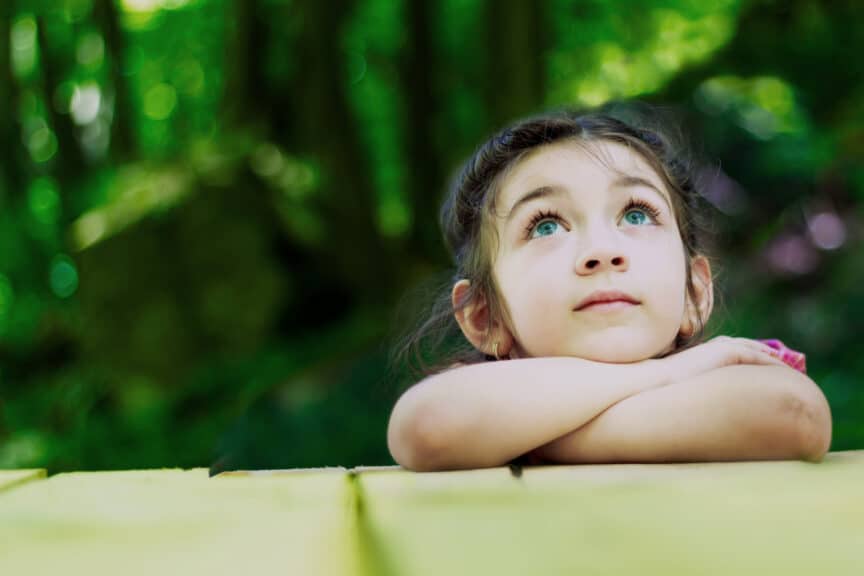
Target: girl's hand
716,353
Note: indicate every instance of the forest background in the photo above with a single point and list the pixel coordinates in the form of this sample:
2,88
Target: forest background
210,210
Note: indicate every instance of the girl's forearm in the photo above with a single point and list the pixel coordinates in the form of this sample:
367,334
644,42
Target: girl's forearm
487,414
743,412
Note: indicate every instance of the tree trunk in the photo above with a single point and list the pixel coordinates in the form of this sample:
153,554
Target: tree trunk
69,158
123,146
516,59
10,137
247,48
419,65
326,128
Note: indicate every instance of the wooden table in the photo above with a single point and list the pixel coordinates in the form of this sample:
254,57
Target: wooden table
758,518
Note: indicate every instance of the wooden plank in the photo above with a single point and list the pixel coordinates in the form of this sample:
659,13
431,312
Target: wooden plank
176,522
11,478
756,518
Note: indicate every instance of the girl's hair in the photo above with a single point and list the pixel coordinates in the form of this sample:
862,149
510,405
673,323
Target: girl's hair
467,220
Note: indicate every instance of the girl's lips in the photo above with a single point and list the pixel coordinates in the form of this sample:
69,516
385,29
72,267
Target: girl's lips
607,297
608,306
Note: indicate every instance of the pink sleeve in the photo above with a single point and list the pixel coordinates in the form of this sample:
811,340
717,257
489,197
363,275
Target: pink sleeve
791,357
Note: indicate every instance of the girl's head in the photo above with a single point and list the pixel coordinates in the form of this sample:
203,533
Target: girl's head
557,209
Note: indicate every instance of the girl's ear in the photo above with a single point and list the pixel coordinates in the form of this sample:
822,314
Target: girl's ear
703,285
474,320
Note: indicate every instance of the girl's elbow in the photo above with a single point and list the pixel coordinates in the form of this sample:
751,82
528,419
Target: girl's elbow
811,420
817,428
415,438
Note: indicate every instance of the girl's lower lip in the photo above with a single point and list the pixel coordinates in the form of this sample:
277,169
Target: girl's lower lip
610,306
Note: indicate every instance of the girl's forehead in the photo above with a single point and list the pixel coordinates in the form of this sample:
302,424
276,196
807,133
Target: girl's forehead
572,160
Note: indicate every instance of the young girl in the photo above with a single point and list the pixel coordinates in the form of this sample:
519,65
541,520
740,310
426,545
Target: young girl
583,288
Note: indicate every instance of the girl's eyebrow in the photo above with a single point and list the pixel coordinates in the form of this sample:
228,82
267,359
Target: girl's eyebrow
630,181
623,181
537,193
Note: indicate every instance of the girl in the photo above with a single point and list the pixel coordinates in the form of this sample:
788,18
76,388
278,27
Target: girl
583,288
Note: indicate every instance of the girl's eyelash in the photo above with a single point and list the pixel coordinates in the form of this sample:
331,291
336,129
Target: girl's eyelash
541,215
538,217
652,211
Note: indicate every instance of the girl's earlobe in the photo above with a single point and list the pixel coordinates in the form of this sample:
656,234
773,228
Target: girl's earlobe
698,311
471,311
704,282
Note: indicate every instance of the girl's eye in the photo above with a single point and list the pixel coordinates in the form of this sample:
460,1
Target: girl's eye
548,222
546,228
636,217
639,213
543,224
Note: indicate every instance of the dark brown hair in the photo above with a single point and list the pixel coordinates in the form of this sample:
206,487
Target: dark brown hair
467,217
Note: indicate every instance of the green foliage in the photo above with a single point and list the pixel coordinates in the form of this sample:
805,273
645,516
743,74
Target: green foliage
602,52
209,209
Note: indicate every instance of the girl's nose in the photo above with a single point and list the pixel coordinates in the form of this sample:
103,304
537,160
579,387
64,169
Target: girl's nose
602,262
602,255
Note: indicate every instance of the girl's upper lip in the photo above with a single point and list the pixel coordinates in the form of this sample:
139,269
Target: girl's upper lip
605,296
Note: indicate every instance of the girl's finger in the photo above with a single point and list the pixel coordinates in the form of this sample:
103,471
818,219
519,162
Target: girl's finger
762,353
762,346
773,357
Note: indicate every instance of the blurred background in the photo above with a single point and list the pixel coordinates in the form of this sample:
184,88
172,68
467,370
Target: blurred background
210,209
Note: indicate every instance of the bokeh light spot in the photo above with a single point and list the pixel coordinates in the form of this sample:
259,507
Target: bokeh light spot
792,254
90,52
75,10
146,6
63,276
95,139
24,449
44,201
42,144
267,160
159,102
189,77
86,100
394,217
89,229
763,105
827,230
24,47
723,192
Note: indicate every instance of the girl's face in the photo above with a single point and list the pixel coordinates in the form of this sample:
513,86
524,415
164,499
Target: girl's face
573,224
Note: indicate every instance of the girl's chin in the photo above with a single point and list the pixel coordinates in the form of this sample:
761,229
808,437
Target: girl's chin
614,358
612,355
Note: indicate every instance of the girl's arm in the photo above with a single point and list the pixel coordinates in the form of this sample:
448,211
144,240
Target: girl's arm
488,414
731,413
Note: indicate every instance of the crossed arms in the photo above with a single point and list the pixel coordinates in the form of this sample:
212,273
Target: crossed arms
570,410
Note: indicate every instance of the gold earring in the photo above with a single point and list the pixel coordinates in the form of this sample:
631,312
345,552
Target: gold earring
495,350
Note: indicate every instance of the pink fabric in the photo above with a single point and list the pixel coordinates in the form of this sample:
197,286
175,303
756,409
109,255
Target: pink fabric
791,357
